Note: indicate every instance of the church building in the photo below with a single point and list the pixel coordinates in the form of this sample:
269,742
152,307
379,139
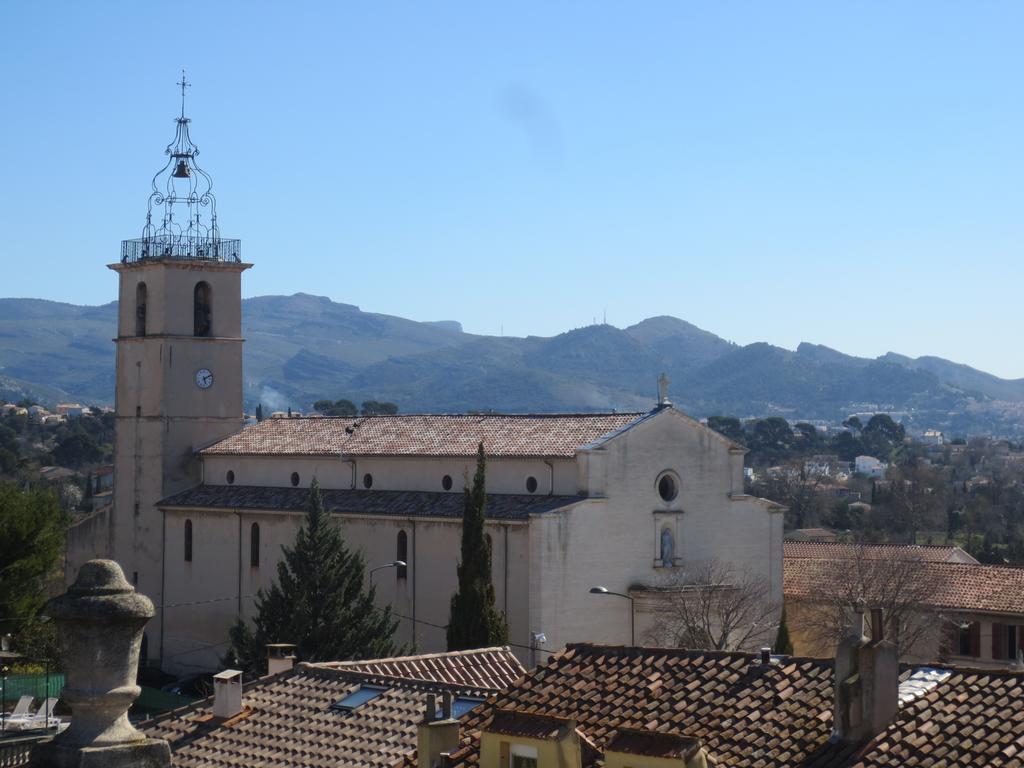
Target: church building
203,504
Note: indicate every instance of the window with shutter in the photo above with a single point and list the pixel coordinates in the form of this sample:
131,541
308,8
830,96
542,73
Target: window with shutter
998,640
975,639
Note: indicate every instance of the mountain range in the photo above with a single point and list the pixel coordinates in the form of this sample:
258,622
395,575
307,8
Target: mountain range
302,348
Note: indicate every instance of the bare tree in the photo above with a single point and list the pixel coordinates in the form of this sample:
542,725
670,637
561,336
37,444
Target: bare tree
797,489
713,606
918,498
826,591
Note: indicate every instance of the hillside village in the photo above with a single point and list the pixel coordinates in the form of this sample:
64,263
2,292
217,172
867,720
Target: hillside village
282,532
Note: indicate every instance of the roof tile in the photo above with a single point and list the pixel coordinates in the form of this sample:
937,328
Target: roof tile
548,435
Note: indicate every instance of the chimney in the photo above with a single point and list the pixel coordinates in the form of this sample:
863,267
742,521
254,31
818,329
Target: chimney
227,693
280,657
766,656
437,734
866,679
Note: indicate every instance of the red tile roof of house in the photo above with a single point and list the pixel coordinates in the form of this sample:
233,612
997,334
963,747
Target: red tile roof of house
750,715
555,435
287,720
837,550
480,667
967,587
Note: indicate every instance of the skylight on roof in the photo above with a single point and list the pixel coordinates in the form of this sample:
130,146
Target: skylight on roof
358,697
921,680
463,704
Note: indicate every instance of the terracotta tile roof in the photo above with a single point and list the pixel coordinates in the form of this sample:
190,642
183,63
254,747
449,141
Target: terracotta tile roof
834,550
973,718
747,715
528,724
742,712
955,586
287,720
633,741
555,435
480,667
500,506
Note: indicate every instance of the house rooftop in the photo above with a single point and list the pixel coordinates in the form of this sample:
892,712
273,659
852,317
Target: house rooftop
319,716
952,586
667,701
841,551
480,667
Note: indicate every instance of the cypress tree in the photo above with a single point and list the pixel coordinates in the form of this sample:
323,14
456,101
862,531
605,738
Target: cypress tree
474,622
317,602
259,411
782,642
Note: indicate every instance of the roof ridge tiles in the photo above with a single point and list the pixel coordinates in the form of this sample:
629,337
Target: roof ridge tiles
413,657
689,653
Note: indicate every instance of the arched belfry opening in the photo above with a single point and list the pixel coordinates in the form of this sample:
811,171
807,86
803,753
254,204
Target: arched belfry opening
203,310
140,309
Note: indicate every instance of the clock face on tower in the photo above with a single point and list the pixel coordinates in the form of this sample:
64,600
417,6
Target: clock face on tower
204,379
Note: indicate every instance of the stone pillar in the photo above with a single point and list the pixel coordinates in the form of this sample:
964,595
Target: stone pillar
99,622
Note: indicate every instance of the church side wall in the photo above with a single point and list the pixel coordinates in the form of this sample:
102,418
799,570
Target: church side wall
393,473
203,596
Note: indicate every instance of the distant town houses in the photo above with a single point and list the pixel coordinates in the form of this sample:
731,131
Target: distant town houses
869,466
967,612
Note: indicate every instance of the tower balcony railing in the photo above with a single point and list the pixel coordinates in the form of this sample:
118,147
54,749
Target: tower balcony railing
180,249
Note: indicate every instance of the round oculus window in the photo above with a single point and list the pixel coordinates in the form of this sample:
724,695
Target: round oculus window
446,482
367,480
668,487
295,478
231,477
531,484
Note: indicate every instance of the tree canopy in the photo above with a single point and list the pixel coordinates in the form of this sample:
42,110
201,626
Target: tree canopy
317,601
31,546
474,622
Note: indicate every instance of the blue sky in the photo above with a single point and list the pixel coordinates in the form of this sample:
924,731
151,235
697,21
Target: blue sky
841,173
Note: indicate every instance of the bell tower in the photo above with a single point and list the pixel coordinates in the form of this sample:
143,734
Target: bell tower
179,361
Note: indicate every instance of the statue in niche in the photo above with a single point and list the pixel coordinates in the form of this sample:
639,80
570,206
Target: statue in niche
667,547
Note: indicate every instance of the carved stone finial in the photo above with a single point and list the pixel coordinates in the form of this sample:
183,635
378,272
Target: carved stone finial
99,622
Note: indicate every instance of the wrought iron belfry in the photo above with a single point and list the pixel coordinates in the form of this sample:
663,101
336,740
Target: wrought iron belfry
181,220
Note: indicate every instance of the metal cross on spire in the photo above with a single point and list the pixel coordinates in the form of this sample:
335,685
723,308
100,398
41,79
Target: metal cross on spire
184,84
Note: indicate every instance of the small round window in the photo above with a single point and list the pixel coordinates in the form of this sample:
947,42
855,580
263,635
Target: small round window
668,487
367,480
446,482
231,477
531,484
295,478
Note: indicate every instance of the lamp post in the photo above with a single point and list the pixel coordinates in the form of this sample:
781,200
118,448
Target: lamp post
393,564
632,621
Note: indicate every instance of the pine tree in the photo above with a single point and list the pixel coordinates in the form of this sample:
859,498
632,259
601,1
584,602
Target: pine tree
782,642
474,622
317,602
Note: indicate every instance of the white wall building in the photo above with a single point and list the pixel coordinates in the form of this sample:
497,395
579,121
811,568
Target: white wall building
869,466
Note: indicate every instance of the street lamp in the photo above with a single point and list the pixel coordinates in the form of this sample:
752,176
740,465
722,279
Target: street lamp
393,564
632,622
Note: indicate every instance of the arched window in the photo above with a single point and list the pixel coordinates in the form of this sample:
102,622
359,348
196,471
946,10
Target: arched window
402,553
188,541
254,546
203,310
140,309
